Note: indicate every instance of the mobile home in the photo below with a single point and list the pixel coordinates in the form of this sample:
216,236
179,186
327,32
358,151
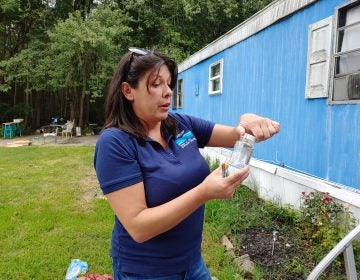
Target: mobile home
297,62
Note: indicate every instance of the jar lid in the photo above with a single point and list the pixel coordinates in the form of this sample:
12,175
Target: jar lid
249,137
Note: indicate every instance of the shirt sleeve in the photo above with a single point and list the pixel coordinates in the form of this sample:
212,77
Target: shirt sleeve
115,161
201,128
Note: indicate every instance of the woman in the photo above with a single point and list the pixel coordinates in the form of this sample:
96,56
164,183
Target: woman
149,167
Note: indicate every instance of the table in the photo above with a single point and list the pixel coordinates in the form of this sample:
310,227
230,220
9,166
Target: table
11,129
51,128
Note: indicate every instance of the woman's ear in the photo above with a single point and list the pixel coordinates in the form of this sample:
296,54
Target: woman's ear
127,91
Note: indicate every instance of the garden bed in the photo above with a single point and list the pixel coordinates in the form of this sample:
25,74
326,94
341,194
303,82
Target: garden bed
283,243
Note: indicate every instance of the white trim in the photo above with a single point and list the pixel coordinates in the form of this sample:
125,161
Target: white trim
262,19
284,186
220,77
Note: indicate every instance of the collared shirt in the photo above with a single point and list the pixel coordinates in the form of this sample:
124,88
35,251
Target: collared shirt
121,161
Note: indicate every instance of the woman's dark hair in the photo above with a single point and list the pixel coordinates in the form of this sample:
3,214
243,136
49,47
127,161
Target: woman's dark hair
118,110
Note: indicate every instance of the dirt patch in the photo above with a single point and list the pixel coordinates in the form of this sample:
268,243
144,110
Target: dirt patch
272,250
88,191
267,248
89,186
38,140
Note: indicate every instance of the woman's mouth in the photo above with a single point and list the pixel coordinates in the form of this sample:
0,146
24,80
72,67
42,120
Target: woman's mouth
165,106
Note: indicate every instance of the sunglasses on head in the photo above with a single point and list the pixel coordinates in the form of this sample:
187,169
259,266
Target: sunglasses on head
138,51
134,51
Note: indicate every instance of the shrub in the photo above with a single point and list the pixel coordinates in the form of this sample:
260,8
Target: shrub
326,221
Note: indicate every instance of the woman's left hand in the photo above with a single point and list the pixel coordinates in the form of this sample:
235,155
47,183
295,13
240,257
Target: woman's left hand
262,128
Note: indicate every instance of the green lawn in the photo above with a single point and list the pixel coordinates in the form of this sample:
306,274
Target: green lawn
50,213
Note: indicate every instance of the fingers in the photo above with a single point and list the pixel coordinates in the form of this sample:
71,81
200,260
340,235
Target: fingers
236,178
218,170
220,187
262,128
268,128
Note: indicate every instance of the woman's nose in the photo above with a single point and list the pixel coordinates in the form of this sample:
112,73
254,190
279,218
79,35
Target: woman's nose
168,91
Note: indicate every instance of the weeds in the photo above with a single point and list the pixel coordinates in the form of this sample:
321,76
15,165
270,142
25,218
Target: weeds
304,237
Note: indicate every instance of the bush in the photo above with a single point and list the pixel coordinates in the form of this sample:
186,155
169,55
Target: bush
8,112
326,221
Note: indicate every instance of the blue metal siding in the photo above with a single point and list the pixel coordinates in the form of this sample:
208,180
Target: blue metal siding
266,74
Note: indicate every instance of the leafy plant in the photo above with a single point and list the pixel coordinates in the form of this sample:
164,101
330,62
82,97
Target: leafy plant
246,215
325,220
87,130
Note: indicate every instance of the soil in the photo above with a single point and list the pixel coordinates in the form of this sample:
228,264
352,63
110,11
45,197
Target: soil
37,140
272,251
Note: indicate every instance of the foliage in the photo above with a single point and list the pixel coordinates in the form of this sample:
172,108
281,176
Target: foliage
247,212
96,44
7,113
87,130
4,111
215,256
76,57
62,53
326,221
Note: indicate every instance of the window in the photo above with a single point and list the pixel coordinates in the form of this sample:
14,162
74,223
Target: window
346,57
215,77
178,94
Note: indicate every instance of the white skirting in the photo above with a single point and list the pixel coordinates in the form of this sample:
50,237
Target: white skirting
284,187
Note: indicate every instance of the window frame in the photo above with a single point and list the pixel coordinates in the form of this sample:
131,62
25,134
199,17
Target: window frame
335,53
175,98
179,94
220,77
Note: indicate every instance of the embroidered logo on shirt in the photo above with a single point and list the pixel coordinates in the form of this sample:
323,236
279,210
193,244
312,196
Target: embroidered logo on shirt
184,139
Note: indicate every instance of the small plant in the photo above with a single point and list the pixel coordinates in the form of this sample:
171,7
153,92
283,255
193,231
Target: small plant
325,220
319,208
87,131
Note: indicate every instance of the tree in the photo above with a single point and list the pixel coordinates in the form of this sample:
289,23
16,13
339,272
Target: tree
62,52
84,53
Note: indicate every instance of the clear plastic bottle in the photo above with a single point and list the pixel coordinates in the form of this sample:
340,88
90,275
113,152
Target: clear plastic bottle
243,150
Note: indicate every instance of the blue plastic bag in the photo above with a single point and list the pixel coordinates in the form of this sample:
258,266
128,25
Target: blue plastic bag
76,268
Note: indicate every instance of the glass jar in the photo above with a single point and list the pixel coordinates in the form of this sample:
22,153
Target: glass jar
242,152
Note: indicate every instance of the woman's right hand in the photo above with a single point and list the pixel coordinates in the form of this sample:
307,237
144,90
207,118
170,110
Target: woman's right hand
217,187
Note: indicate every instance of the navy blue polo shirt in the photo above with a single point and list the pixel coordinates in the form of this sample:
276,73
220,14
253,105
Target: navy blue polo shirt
121,161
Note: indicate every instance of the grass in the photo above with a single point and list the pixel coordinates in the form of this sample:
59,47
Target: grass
50,213
48,216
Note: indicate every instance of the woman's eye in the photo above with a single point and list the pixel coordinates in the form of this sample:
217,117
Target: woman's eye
156,83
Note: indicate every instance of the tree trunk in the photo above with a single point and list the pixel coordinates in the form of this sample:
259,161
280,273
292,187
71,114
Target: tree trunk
37,111
27,102
82,99
72,104
87,109
15,93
